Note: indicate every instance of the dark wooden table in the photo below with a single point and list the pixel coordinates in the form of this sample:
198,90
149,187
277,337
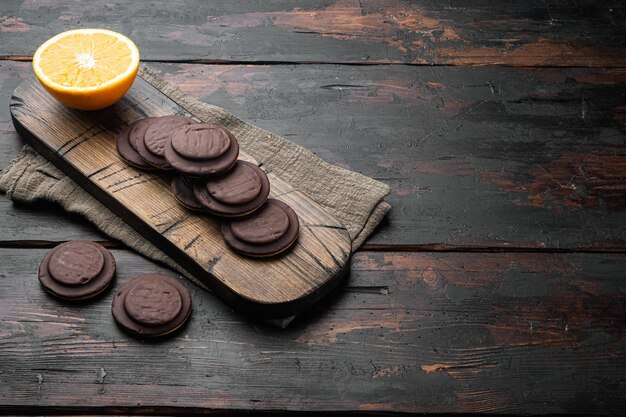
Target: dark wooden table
497,284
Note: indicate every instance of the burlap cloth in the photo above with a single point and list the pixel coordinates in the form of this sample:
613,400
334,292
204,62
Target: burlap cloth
353,198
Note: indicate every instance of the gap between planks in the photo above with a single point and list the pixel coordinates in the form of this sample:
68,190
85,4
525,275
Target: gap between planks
47,244
118,411
28,58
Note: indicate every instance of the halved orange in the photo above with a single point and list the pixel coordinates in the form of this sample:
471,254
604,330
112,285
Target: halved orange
87,69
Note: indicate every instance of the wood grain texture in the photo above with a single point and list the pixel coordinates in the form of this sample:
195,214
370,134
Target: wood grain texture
479,159
536,156
38,220
82,144
424,333
465,32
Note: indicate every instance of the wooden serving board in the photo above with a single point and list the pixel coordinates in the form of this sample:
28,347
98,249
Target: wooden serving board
82,144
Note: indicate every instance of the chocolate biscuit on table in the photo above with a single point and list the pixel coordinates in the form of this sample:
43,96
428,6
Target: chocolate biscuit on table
77,270
137,141
152,305
135,138
201,149
182,187
127,152
240,191
152,138
269,231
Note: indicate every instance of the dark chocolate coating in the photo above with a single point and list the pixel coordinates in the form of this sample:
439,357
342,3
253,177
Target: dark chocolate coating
249,239
127,152
136,139
182,187
200,167
200,141
158,132
136,305
75,263
89,289
262,228
239,184
138,131
153,302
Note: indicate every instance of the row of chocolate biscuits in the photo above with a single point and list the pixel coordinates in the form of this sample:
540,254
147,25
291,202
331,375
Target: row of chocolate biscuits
209,178
149,305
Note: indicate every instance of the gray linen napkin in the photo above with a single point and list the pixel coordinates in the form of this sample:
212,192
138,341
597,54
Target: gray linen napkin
353,198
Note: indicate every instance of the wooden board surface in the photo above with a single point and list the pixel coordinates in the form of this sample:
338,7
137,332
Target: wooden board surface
462,32
82,144
508,142
411,332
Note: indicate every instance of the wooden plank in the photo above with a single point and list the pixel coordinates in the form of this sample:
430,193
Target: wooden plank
425,333
464,32
490,157
82,144
476,157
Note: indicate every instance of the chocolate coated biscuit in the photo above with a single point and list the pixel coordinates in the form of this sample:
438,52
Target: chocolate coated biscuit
77,270
201,149
201,141
136,139
159,130
75,263
182,187
241,190
269,231
138,130
152,305
127,152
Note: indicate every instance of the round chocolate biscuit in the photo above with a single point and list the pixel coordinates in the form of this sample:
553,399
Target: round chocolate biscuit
263,229
153,302
158,132
201,141
127,152
76,263
77,270
201,149
182,187
138,131
152,305
136,139
267,232
240,185
240,191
